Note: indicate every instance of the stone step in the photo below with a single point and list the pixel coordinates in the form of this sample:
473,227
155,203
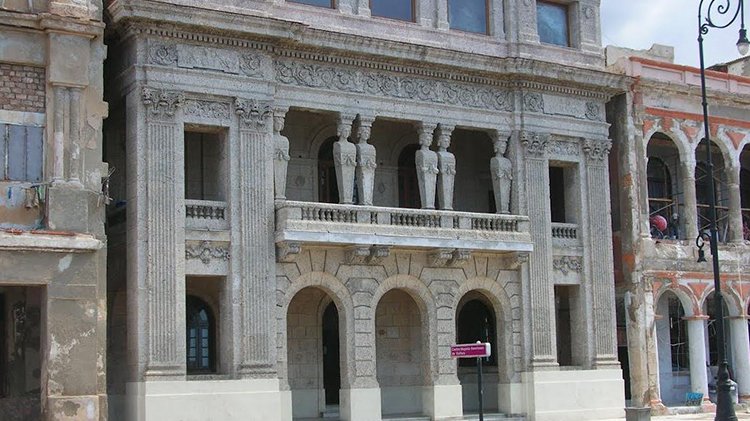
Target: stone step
405,418
495,417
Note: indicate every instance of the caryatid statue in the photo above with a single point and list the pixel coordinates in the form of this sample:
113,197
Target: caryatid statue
280,154
427,166
502,174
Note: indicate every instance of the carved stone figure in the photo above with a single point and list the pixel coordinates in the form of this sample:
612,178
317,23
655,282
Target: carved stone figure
345,161
280,154
502,175
427,166
447,167
366,162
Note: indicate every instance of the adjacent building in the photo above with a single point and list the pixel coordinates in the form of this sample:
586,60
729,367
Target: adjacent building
660,206
313,200
52,203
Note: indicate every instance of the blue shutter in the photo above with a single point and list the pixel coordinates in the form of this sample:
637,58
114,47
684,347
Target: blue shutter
22,149
34,153
3,151
17,153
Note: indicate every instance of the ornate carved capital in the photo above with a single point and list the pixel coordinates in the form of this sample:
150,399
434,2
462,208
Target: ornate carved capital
253,114
279,115
426,132
444,132
364,128
162,103
535,144
597,150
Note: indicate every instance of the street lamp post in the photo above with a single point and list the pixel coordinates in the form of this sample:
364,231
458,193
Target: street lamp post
722,9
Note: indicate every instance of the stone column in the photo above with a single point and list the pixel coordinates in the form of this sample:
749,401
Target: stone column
366,161
442,15
345,160
697,349
542,300
255,225
690,204
446,166
280,154
76,160
157,297
427,165
501,170
735,204
602,267
58,147
741,354
521,20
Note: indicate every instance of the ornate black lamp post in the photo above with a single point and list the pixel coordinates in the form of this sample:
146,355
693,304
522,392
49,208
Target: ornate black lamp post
724,10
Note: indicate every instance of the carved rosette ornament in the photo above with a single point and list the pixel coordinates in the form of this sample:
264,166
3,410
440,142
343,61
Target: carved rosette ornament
253,114
345,160
597,150
535,144
533,102
446,166
280,154
160,103
366,161
427,166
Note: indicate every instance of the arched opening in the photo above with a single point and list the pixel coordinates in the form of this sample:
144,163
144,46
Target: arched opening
200,336
476,321
328,190
399,348
673,350
408,187
664,190
703,190
313,355
473,186
745,190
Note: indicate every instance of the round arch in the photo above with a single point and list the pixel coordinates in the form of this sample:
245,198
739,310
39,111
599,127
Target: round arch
690,304
732,301
683,144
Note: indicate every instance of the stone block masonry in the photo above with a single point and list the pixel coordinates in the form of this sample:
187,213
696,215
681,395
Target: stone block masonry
21,88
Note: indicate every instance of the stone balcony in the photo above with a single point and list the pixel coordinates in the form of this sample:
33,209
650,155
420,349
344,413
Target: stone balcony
366,226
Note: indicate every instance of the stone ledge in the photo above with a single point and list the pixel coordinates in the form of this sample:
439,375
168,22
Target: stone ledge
51,241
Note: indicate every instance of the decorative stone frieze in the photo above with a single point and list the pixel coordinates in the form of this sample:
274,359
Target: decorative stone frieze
253,114
366,161
391,85
594,111
501,169
160,103
446,167
205,58
205,251
533,102
207,110
345,159
280,154
163,54
597,150
566,148
427,166
567,264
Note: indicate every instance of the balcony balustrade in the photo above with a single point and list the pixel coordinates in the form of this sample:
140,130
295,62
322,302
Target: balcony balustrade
206,215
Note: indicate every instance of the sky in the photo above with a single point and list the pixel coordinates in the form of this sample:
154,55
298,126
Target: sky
640,23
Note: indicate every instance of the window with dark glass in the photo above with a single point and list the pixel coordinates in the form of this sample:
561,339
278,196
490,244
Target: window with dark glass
678,336
659,188
393,9
552,23
408,186
200,337
476,322
468,15
328,190
319,3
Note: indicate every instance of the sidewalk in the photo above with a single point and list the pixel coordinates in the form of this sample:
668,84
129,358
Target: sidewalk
741,415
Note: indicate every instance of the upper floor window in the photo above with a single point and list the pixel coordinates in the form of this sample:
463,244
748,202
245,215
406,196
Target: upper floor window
200,336
393,9
552,23
21,152
319,3
468,15
205,166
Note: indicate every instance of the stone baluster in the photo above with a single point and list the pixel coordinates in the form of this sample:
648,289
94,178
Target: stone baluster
691,204
735,203
427,165
366,161
345,160
446,166
160,272
76,159
501,169
741,354
280,154
255,251
697,351
58,160
602,267
540,291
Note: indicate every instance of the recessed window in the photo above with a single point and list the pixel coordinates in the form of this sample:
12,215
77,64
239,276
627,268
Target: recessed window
319,3
21,149
468,15
393,9
552,23
200,336
205,166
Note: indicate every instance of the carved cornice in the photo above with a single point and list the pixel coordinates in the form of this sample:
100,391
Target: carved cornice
254,114
597,150
161,103
535,144
205,252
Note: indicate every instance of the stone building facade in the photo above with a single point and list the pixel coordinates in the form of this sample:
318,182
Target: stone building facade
315,202
52,244
660,206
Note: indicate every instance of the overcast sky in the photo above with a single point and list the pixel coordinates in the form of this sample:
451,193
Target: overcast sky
640,23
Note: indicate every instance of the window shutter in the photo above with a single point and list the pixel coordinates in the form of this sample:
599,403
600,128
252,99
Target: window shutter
3,151
17,153
22,149
34,155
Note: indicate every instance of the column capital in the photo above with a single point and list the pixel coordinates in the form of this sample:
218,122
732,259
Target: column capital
344,124
535,144
253,114
279,116
426,133
363,128
597,150
444,132
162,103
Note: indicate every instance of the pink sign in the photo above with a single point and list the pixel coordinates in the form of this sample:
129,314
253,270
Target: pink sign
475,350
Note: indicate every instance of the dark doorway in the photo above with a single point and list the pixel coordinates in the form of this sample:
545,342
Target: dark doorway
328,189
564,325
331,365
476,322
408,187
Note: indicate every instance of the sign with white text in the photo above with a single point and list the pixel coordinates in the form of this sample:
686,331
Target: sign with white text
475,350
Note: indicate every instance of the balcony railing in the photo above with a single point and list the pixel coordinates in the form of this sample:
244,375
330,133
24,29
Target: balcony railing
722,221
360,225
566,232
206,215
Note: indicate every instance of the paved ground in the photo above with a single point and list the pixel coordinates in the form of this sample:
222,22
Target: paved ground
741,415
